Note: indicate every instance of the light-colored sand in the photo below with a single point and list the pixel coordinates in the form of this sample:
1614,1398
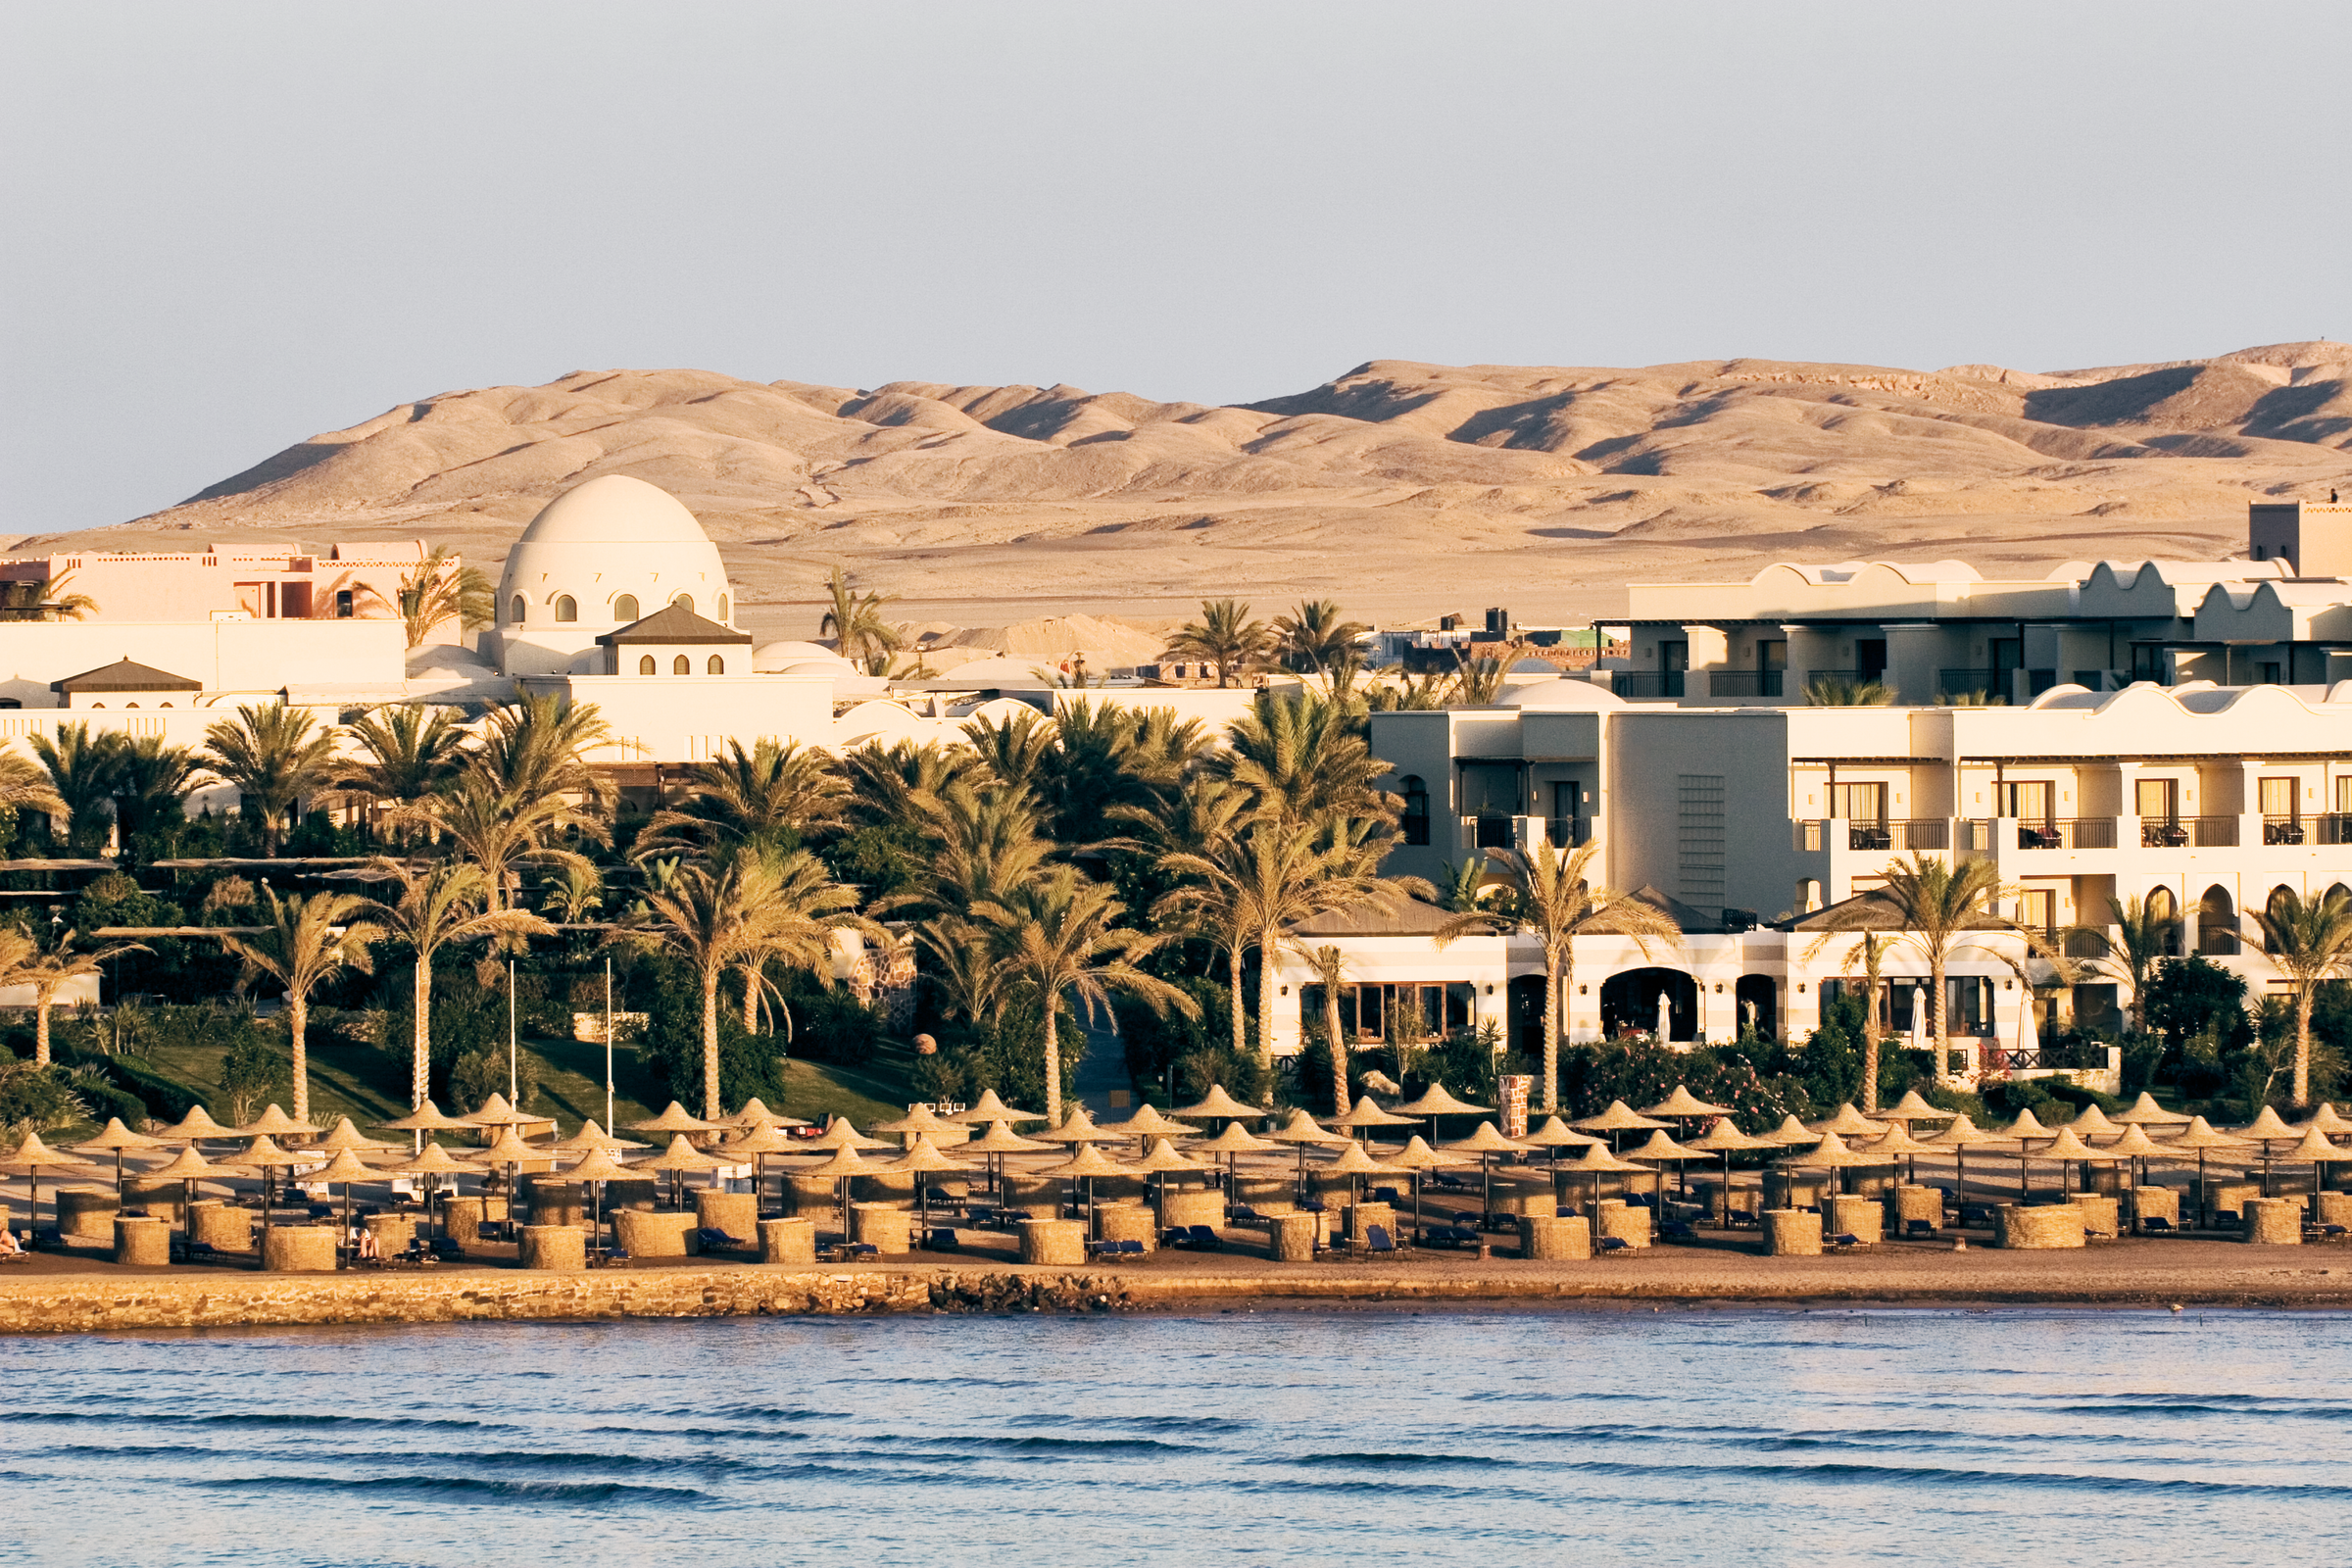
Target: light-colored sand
1403,489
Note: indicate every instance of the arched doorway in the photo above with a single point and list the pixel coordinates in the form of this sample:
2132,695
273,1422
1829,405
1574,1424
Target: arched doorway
2217,924
2280,908
1629,1002
2163,913
1757,1005
1527,1015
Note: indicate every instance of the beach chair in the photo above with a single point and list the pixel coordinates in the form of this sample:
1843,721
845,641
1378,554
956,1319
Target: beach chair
1611,1247
1103,1249
1386,1194
1198,1237
2157,1225
1131,1248
939,1239
1919,1230
982,1215
1243,1214
1312,1206
1449,1235
2325,1233
1976,1214
445,1249
1677,1230
1377,1243
939,1198
1843,1241
1448,1182
47,1236
711,1239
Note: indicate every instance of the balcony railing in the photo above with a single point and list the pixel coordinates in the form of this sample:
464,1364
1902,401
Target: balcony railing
1745,682
1567,832
1491,832
2332,828
2285,830
2068,833
1993,683
2080,944
1915,833
1639,685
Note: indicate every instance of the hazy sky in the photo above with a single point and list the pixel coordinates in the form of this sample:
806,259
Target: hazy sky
228,226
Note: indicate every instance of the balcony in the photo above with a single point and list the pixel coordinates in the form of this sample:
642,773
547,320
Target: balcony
2192,832
2332,828
1647,685
1993,683
2068,833
1491,832
1895,837
2285,830
1567,832
2087,943
1745,682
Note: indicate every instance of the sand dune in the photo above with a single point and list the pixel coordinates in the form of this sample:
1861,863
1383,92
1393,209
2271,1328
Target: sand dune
1403,489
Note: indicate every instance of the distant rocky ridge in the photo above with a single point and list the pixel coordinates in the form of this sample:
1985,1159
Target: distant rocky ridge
1401,488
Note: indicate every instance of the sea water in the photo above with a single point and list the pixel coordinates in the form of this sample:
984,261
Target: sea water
1680,1436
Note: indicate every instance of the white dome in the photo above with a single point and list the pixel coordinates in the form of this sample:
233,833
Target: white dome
607,553
1561,696
781,656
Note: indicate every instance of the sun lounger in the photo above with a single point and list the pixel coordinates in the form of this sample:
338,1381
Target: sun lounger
1243,1214
1312,1206
1452,1184
1974,1214
445,1249
1448,1236
2156,1225
1197,1238
1677,1230
48,1235
2327,1232
939,1239
1101,1248
711,1239
1843,1241
1919,1230
1611,1247
938,1197
982,1215
1377,1243
1386,1194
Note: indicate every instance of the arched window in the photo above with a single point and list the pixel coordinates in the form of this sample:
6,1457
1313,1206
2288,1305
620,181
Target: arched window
722,607
131,705
515,611
97,705
2338,891
3,705
624,607
684,602
681,665
1416,809
566,607
2164,915
645,665
717,665
2280,907
2217,924
11,701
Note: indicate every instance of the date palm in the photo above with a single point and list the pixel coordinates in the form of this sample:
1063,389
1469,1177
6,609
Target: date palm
1934,905
1839,691
302,944
1303,756
407,751
709,917
26,787
48,971
440,590
1317,638
539,746
1018,752
2144,937
2310,940
275,756
1059,935
83,768
805,910
1328,964
756,796
151,785
500,830
439,904
1555,900
1869,955
1224,636
1202,823
856,624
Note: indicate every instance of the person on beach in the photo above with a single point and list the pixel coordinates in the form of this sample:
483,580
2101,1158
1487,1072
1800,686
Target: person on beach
8,1242
366,1243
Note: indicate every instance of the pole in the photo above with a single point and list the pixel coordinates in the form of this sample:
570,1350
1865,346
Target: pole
608,1042
513,1090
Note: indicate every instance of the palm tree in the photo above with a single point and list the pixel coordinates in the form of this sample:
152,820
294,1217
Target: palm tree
1317,638
1462,884
1557,901
440,591
1203,825
151,785
2144,937
805,907
745,796
989,848
46,599
24,787
1934,904
1835,691
573,894
49,971
1302,756
302,944
440,903
1870,954
539,746
81,768
854,621
408,752
1224,636
709,917
1017,751
1329,967
1061,934
275,756
497,830
2310,940
1412,694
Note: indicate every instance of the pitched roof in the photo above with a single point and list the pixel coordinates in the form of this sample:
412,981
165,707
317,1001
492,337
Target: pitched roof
674,623
1405,917
127,675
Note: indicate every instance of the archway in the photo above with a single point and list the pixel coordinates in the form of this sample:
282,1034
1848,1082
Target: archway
1629,1002
1760,993
2217,924
2163,913
1527,1015
2280,908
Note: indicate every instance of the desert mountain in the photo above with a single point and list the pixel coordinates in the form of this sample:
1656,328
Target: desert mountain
1403,489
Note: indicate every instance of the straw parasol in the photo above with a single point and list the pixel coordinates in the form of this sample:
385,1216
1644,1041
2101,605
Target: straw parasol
590,1136
274,1124
1726,1139
922,1157
264,1155
1233,1143
1147,1124
1417,1157
2147,1113
845,1163
1850,1123
196,1124
674,1119
1079,1128
2092,1123
1790,1133
1158,1164
1301,1131
1828,1155
1356,1164
1086,1163
678,1159
596,1167
32,1155
1436,1102
2200,1137
1683,1105
1556,1135
1595,1161
755,1113
988,1108
1959,1137
1218,1106
758,1141
1365,1114
189,1168
1664,1151
918,1122
1617,1118
342,1170
343,1135
116,1138
432,1162
2067,1147
841,1134
425,1118
1912,1109
2316,1151
1898,1143
998,1140
2326,1121
2135,1143
1486,1142
2267,1129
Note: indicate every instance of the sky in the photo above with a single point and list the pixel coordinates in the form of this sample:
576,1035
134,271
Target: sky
226,227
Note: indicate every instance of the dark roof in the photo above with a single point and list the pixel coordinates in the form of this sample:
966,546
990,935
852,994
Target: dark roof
1406,917
673,624
1693,921
127,675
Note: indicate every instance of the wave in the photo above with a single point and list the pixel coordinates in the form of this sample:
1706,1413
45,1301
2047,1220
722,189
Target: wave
1395,1461
257,1420
457,1487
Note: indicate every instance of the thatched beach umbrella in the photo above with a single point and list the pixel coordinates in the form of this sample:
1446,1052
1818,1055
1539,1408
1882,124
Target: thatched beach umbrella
918,1122
342,1170
678,1159
2316,1151
2093,1123
1619,1118
841,1134
1299,1132
1663,1151
1417,1157
592,1137
189,1168
1830,1157
1959,1137
1682,1106
2326,1121
2136,1145
32,1155
2201,1138
755,1113
1595,1161
673,1120
1850,1123
196,1125
425,1118
1911,1107
1158,1164
1218,1106
1896,1145
2147,1113
1079,1128
1726,1140
274,1124
1486,1142
343,1135
845,1163
1086,1163
1147,1124
756,1143
1791,1133
595,1168
1364,1114
1356,1164
264,1155
433,1162
2266,1129
1233,1143
116,1137
1434,1103
2066,1148
988,1108
998,1140
922,1158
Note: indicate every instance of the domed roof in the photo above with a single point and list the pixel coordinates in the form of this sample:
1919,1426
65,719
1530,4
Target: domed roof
1562,697
615,510
779,656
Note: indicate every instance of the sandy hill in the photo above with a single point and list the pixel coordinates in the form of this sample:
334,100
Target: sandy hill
1405,489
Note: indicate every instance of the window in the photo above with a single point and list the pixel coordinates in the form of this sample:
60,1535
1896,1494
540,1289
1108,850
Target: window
645,665
2279,799
515,611
2029,801
1699,838
1858,802
2038,909
2217,924
2280,908
2163,911
624,607
681,665
343,605
1870,658
2343,794
1490,789
567,608
1416,809
722,607
684,602
2157,799
717,666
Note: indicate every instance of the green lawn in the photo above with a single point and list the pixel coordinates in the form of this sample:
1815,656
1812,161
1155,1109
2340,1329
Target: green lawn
372,1086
